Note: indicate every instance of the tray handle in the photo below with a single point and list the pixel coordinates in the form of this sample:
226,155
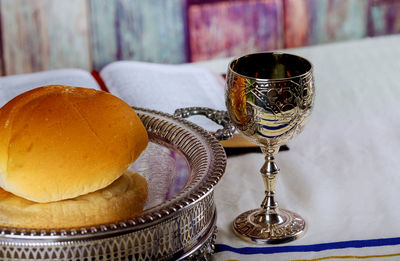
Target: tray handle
219,117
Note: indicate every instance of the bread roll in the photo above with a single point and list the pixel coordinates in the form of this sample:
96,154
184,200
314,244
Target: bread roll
123,199
59,142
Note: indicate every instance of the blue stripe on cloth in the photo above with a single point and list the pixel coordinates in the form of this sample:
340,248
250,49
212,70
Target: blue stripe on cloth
309,248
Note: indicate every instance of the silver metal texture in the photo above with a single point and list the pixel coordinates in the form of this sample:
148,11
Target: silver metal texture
181,228
269,97
219,117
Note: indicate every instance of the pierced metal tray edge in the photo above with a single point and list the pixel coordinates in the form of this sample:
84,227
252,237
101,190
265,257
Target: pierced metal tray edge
183,200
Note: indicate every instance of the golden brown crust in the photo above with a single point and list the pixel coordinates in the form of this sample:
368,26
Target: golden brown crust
59,142
123,199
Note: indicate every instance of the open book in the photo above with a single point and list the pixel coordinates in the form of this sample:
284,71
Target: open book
147,85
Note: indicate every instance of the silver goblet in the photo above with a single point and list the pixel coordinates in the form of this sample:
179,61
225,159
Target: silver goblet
269,97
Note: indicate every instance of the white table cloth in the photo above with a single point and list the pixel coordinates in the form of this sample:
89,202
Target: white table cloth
342,173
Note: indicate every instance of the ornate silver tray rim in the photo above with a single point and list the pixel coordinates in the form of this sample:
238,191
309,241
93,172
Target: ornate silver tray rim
208,176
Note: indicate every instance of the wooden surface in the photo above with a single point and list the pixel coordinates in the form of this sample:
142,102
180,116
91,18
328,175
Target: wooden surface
44,34
309,22
38,35
231,28
151,30
1,49
384,17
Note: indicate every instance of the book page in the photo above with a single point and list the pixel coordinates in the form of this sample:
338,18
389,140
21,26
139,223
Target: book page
166,88
12,86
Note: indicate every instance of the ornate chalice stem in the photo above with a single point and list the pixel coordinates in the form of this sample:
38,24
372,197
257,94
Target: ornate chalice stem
269,172
269,224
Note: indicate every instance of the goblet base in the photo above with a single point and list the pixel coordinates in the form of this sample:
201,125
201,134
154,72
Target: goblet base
252,226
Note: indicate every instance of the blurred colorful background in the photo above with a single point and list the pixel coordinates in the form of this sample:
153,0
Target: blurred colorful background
39,35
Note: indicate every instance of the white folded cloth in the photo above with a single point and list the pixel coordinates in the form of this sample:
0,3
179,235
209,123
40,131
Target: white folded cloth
341,173
164,87
12,86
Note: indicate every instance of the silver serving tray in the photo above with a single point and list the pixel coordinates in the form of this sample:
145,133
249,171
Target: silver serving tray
182,164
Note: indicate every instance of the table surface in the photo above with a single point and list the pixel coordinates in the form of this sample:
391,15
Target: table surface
341,173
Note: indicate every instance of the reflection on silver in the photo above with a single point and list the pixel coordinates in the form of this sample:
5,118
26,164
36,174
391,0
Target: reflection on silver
219,117
269,97
160,173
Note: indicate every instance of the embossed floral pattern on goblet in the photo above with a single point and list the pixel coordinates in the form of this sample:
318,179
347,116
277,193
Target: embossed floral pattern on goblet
269,97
